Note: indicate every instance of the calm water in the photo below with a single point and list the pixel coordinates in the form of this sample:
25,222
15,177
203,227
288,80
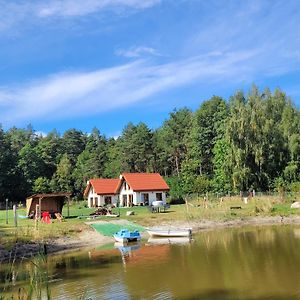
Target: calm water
250,263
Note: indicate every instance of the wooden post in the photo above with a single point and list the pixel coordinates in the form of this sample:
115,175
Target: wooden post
40,208
6,200
15,215
186,204
68,206
37,211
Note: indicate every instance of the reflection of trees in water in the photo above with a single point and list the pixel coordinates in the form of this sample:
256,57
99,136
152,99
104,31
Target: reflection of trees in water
297,232
262,235
265,255
223,294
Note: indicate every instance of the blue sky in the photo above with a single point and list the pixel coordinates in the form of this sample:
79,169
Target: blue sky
81,64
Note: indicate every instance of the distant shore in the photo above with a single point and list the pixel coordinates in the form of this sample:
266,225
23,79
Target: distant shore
89,238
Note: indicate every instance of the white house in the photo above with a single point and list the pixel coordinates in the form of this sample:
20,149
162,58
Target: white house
141,189
101,192
130,189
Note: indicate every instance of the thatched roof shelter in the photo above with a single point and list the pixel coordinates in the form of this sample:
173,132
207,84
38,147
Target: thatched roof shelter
53,203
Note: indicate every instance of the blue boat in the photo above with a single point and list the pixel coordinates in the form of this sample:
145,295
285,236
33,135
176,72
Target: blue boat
125,236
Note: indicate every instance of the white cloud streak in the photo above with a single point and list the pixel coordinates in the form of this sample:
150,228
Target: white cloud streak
239,44
28,12
135,52
79,7
69,95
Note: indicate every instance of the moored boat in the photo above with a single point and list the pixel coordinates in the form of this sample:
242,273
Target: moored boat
125,236
171,232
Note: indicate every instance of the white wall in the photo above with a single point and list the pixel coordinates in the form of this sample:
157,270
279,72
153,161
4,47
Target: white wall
137,196
95,200
126,190
152,196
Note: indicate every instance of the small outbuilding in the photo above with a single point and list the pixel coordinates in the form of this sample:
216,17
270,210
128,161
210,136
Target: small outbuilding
52,203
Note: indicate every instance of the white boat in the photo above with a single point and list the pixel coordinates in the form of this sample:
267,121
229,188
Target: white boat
171,232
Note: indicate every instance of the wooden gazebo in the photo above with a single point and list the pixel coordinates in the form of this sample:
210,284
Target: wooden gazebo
52,203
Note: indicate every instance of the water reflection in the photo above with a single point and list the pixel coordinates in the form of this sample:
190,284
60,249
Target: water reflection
126,250
170,240
239,264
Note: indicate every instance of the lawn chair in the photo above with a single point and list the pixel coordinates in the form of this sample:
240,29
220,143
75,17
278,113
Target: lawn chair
59,217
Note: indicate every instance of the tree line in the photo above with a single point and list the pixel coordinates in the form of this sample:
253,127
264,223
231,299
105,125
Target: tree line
251,141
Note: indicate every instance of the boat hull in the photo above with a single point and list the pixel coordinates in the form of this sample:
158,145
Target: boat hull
170,232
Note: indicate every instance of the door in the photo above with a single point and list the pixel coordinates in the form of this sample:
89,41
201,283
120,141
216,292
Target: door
124,200
107,200
130,201
145,198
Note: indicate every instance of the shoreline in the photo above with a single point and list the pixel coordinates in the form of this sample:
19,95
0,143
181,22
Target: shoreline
90,238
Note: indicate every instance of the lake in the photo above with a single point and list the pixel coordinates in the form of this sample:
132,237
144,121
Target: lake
234,263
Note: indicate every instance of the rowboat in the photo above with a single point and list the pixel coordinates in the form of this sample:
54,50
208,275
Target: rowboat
125,236
170,232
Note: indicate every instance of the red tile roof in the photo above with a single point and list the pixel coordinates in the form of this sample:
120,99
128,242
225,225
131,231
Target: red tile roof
103,186
145,181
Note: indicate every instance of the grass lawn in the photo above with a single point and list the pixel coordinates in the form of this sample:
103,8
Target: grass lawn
195,209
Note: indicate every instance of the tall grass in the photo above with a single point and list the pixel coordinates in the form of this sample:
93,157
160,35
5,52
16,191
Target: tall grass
34,271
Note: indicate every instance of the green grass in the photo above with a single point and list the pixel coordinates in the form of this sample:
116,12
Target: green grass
108,229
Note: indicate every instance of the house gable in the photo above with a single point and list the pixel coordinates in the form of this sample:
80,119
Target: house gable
143,182
102,186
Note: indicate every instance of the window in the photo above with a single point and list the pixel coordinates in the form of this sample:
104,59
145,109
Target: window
158,196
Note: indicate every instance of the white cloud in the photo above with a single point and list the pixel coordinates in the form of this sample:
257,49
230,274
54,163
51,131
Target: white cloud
41,133
135,52
69,95
79,7
28,12
239,43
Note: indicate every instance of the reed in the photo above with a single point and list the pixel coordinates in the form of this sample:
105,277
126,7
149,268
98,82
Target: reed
35,274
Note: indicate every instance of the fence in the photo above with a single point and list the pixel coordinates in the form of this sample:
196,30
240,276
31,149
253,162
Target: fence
215,196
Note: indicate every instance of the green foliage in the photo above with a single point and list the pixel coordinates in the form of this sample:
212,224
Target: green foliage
41,185
176,188
171,141
291,172
208,127
295,187
280,186
222,177
62,179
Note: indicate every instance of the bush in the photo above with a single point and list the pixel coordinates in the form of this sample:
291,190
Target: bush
295,187
176,201
176,188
